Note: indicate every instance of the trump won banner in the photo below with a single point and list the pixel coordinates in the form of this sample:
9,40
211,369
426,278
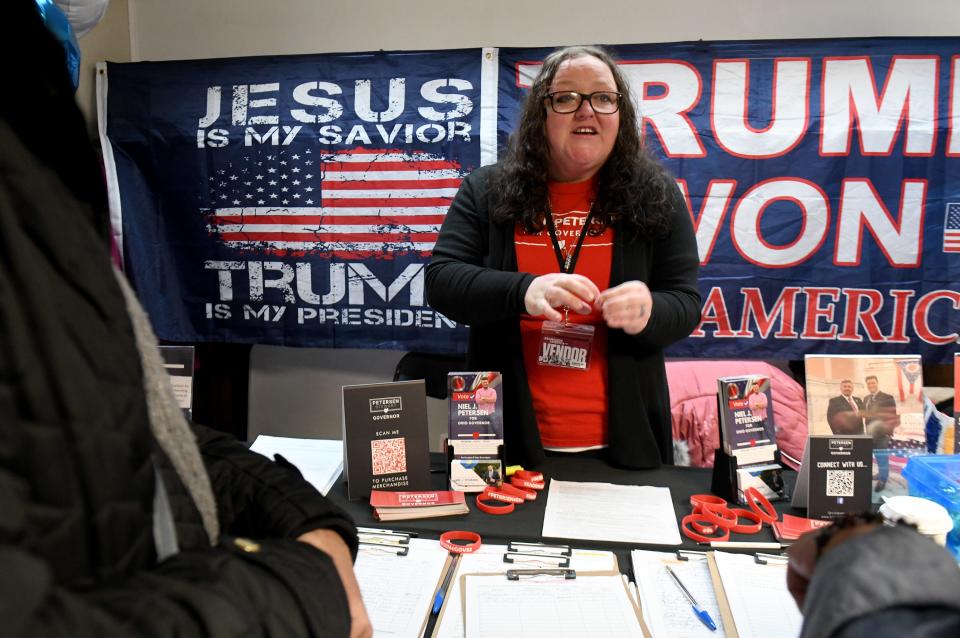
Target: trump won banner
821,175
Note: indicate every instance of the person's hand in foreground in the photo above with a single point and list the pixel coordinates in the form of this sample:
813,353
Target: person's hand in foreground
332,543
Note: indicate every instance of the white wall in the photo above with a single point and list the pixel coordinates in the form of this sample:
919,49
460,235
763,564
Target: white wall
178,29
297,391
109,40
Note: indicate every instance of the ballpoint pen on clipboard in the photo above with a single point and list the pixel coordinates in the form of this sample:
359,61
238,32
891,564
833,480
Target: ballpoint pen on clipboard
701,613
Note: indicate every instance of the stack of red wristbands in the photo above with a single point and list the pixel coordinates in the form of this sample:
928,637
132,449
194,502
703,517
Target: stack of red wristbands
523,486
713,520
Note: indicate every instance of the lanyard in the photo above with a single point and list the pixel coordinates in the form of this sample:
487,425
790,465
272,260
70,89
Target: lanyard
568,263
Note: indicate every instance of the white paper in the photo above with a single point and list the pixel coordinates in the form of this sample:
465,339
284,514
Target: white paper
319,460
398,591
666,610
550,607
759,600
489,559
637,514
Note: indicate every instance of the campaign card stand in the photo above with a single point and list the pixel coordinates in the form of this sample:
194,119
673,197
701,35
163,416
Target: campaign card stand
451,455
724,482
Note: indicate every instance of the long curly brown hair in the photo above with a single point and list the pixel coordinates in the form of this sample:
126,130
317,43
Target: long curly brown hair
632,191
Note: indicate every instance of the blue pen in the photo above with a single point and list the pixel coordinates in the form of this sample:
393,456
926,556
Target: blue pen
702,614
445,585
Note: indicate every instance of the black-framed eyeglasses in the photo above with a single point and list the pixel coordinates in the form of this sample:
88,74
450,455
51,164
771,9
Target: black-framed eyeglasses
605,102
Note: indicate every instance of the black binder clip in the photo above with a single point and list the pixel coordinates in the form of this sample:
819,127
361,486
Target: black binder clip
685,554
517,574
539,548
536,557
763,559
388,548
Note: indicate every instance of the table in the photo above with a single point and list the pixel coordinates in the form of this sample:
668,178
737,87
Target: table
526,522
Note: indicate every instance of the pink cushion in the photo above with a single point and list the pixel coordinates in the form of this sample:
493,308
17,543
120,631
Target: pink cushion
693,406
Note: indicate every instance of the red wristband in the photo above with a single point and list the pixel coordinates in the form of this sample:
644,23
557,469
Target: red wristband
697,501
691,519
491,506
747,529
761,505
447,538
527,495
528,475
719,515
521,482
703,528
502,495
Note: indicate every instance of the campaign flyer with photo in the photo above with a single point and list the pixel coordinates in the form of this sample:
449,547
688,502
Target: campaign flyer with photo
877,395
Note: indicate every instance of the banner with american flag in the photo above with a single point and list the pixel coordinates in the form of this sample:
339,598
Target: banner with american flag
294,200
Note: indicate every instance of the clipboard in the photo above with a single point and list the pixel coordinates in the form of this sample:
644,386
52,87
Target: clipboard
388,564
758,561
666,610
497,559
605,583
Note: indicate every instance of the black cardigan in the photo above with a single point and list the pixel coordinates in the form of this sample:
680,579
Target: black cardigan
473,279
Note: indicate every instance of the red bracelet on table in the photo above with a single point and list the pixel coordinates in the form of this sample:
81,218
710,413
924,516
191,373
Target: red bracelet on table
490,505
699,519
529,475
499,494
737,528
522,482
527,495
719,515
447,542
697,501
761,505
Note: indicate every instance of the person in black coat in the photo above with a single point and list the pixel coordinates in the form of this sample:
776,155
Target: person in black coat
844,411
633,281
117,516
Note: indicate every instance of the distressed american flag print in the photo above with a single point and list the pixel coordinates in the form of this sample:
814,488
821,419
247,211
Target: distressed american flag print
357,203
951,228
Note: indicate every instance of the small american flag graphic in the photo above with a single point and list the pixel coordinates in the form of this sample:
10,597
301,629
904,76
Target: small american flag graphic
951,228
351,204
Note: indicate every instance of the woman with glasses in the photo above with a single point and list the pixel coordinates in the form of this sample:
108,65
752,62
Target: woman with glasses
574,262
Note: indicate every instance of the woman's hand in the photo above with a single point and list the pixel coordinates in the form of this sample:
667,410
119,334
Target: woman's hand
627,306
559,290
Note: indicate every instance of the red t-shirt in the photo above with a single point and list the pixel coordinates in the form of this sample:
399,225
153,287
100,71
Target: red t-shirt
571,405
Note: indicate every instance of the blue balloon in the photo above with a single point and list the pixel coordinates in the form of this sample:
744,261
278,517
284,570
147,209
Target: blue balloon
58,24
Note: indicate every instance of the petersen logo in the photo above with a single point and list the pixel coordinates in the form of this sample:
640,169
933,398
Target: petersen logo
841,446
386,405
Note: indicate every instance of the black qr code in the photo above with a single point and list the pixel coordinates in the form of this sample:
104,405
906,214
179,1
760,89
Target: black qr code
839,482
389,456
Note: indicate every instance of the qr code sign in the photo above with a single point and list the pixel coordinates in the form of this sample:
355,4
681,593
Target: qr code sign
839,482
389,456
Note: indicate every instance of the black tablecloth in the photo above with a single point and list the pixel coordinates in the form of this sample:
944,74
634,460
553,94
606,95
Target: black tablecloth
526,521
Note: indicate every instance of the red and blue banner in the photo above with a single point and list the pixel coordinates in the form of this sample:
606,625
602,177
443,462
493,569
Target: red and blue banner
294,200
